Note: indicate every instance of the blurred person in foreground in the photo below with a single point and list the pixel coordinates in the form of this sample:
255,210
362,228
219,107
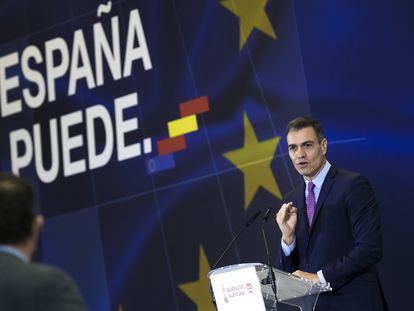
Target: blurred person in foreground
26,286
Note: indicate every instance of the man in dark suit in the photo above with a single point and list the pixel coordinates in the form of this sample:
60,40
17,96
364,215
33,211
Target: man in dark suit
26,286
330,225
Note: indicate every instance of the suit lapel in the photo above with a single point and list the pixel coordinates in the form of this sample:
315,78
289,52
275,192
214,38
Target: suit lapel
326,188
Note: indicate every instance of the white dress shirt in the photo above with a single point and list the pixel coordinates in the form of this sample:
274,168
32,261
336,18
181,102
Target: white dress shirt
318,181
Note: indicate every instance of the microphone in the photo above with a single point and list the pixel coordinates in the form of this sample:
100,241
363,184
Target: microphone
248,223
266,216
271,274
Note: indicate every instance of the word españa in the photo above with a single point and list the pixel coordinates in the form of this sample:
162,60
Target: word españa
58,61
79,67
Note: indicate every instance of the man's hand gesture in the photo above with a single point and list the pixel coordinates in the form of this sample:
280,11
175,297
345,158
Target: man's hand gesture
287,218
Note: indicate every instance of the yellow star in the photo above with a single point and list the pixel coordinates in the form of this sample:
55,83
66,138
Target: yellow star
252,14
254,161
199,291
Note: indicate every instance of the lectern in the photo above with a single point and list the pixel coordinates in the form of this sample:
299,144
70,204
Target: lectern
246,287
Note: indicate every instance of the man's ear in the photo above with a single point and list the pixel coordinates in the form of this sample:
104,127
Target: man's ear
29,246
324,144
38,224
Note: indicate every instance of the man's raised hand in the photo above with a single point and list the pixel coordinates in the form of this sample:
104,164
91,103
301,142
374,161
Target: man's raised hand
286,219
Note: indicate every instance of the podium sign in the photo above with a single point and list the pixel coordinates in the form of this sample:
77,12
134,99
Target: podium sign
245,287
239,289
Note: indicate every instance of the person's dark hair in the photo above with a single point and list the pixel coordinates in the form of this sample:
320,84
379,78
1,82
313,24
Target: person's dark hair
16,209
303,122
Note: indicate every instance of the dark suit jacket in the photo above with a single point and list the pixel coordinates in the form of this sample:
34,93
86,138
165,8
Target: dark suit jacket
36,287
344,242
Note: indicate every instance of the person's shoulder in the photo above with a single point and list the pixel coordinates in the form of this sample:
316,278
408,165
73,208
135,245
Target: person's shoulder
57,288
350,180
345,174
17,267
52,288
35,275
48,272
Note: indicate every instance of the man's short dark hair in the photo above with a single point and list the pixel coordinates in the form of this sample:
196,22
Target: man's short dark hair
16,209
303,122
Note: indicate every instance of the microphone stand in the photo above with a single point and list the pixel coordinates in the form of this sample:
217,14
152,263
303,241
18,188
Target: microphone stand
271,275
248,223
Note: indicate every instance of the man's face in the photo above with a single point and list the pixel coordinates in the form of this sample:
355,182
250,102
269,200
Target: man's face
306,153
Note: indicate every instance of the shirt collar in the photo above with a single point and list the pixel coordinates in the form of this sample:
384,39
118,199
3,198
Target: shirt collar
13,251
319,179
